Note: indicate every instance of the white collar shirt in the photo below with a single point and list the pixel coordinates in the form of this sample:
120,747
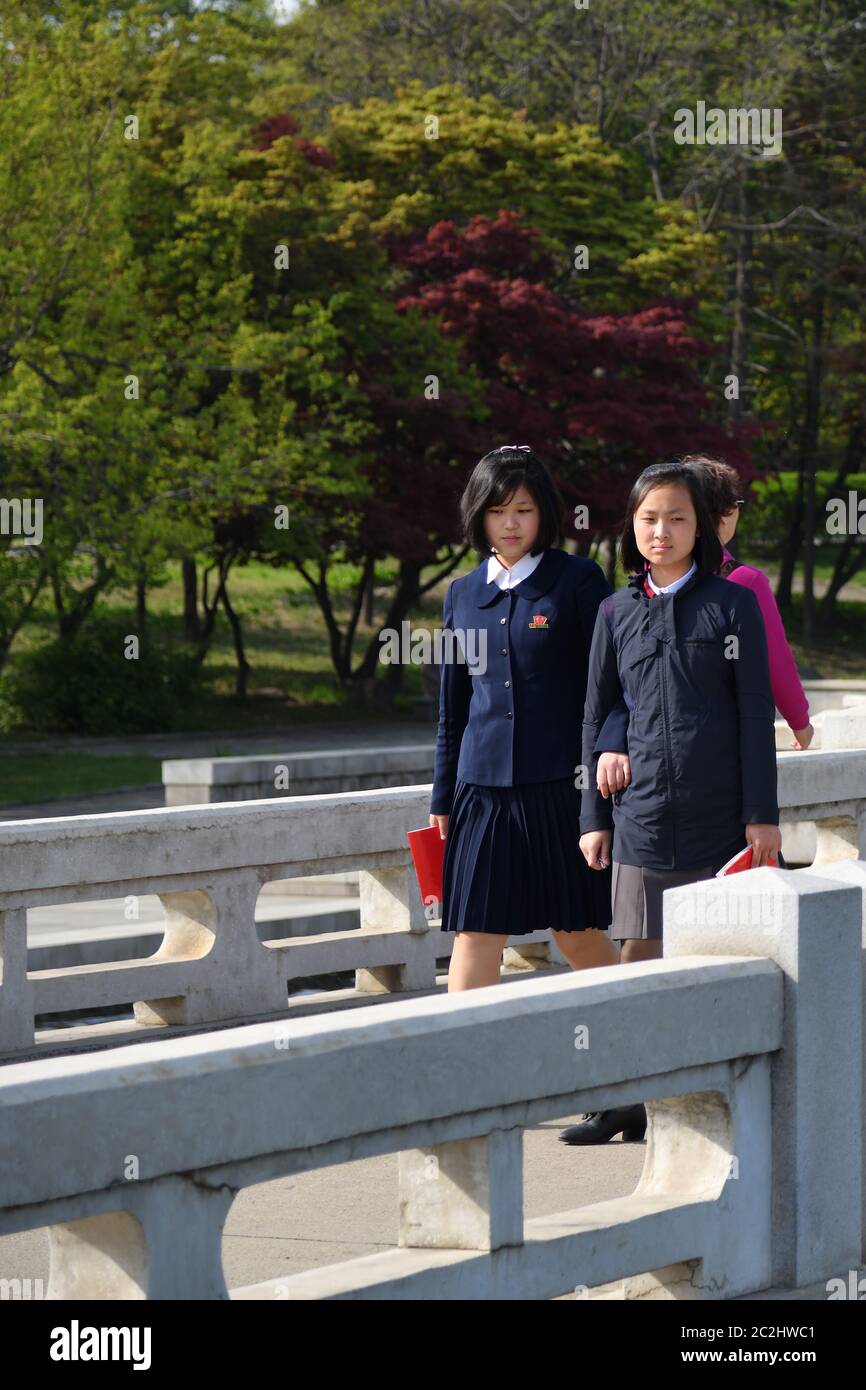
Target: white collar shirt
677,584
507,578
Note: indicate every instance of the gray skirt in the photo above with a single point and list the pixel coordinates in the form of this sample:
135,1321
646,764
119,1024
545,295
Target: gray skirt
636,898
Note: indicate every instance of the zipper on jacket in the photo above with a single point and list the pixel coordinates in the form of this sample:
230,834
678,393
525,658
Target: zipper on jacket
513,682
667,731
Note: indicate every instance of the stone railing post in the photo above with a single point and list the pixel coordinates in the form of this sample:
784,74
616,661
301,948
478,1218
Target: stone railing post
167,1244
390,901
713,1147
463,1195
812,930
237,976
853,871
16,992
841,837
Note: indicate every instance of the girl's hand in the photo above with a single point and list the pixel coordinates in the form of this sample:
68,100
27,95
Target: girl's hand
442,822
803,737
595,847
766,840
612,773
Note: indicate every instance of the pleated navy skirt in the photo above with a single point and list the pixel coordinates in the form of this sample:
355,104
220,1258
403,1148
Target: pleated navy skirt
513,863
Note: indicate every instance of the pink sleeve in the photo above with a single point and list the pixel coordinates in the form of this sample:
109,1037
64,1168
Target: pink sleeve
788,693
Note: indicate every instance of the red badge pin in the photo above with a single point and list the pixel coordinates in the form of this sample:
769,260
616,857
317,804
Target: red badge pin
539,620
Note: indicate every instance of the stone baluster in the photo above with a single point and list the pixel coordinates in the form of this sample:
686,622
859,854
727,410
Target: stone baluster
16,992
236,976
166,1245
390,901
463,1195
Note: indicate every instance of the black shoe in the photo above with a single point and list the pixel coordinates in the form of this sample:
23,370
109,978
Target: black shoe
600,1126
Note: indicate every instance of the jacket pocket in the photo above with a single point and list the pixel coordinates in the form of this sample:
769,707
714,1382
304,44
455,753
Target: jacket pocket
704,663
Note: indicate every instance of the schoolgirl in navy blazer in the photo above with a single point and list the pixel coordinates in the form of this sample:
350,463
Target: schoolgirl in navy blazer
516,716
505,796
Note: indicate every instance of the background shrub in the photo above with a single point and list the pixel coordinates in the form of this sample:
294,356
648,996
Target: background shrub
88,685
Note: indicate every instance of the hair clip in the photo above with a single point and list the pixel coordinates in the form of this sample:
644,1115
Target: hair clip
502,447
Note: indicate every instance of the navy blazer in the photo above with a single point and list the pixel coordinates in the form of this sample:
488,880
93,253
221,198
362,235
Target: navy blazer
517,719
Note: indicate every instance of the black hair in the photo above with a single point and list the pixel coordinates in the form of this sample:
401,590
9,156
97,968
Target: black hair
708,548
494,479
720,482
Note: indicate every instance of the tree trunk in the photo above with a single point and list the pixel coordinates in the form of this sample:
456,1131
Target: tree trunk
368,599
12,625
655,171
739,330
809,460
210,609
191,619
406,594
848,562
140,603
69,620
851,556
784,587
610,565
243,666
335,637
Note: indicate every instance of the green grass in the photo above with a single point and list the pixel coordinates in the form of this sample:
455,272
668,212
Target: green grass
838,653
43,776
292,678
292,682
824,564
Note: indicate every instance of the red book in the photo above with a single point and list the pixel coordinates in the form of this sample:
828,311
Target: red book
743,860
428,854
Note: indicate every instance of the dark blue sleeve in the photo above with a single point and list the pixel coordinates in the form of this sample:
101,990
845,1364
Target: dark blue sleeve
455,693
614,731
603,692
593,587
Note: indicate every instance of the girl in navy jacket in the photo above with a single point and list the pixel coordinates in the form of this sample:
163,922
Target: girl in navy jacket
687,652
505,794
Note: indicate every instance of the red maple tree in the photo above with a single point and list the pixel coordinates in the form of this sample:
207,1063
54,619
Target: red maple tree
599,396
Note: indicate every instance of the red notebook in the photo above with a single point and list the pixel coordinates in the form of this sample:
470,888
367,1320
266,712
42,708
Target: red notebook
428,854
743,860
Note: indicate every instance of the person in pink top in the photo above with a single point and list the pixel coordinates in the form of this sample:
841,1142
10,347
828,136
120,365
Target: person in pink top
722,488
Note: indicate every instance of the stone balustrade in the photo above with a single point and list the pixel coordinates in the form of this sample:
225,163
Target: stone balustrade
827,788
208,865
745,1042
189,781
833,694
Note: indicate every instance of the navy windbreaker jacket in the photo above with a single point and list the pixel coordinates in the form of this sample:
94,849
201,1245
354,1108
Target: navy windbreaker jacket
520,719
701,717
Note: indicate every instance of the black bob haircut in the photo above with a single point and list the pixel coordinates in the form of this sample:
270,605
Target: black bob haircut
708,547
494,479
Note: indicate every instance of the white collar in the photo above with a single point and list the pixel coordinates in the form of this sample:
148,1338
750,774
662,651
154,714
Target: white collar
677,584
507,578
